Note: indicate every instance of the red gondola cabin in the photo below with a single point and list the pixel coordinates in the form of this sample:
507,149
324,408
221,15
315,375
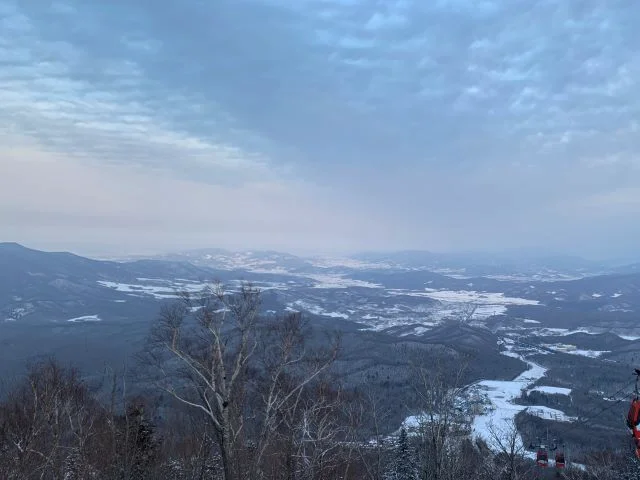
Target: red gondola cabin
542,458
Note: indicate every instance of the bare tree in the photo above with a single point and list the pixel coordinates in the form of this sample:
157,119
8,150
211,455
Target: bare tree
51,426
440,423
209,357
506,443
291,387
189,447
367,416
466,313
217,355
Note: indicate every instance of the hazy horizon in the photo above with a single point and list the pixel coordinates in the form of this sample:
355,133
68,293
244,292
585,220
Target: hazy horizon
320,125
511,254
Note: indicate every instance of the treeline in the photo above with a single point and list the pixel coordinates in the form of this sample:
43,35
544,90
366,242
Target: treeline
244,396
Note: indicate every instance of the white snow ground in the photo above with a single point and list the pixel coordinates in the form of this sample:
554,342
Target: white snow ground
474,297
572,350
155,291
457,303
315,309
338,281
166,289
85,318
500,395
551,390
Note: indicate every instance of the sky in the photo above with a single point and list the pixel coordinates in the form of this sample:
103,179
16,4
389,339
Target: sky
139,126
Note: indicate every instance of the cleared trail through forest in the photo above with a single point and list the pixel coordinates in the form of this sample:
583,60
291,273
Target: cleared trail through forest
499,398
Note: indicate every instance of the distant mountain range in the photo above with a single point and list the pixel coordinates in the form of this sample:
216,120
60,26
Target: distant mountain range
512,266
59,283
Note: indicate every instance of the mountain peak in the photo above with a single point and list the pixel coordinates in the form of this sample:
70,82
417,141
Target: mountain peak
13,246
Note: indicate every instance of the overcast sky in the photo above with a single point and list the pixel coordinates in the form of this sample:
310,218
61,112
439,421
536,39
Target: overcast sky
320,125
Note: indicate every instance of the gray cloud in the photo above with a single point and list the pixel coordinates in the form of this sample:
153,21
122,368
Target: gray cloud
444,124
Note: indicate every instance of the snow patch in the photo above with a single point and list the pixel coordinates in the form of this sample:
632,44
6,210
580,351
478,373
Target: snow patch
419,330
314,309
481,298
85,318
339,281
141,290
483,312
551,390
549,414
457,303
331,262
628,337
573,350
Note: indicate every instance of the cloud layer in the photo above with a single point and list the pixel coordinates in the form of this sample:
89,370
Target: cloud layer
321,124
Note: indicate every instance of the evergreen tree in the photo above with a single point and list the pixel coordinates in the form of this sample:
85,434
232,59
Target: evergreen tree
403,465
632,472
143,446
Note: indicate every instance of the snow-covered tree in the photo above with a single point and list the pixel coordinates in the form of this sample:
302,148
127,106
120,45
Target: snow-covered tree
403,465
632,471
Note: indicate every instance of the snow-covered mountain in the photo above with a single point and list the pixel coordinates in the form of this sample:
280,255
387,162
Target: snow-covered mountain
516,266
376,291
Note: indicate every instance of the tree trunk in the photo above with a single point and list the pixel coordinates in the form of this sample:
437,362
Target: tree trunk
227,455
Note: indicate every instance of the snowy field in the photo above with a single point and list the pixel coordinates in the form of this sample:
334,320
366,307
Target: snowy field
456,303
499,415
572,350
300,305
551,390
376,312
476,298
338,281
165,289
337,262
86,318
376,307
